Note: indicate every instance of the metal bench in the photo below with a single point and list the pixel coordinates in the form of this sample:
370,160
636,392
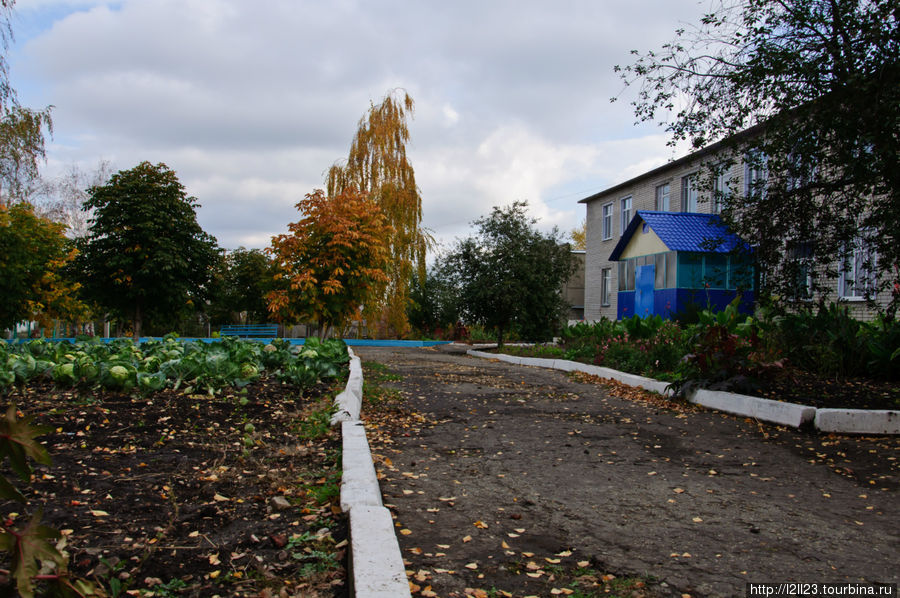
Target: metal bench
250,331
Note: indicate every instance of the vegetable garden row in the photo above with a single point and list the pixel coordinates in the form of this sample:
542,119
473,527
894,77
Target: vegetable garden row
206,468
192,366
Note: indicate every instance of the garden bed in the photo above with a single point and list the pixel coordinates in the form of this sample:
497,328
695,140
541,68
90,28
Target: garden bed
191,495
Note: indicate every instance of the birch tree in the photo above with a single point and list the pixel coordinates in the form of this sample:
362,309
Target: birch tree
378,165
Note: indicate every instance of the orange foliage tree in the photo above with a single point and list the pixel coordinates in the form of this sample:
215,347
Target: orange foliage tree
377,164
333,261
33,256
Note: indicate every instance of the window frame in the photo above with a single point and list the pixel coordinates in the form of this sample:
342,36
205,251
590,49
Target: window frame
689,188
607,221
756,169
862,259
721,182
605,287
626,213
667,207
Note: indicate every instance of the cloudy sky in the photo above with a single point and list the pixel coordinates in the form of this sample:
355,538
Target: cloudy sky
251,101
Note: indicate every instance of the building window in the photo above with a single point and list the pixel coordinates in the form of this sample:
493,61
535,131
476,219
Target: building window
662,198
626,213
721,189
756,173
689,193
605,286
858,278
626,275
800,260
607,222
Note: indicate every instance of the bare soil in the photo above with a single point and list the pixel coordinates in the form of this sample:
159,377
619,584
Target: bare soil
517,481
174,495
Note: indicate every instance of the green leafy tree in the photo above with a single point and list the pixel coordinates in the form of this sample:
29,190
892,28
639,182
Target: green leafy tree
33,254
377,165
434,302
333,261
510,275
145,255
809,91
243,279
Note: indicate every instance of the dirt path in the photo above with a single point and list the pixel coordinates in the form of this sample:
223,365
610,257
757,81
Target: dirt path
527,481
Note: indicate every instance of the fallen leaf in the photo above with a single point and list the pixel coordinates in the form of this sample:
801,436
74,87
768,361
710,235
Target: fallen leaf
467,539
405,532
97,513
472,566
480,524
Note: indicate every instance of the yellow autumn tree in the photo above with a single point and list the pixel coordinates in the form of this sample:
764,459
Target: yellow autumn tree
333,260
579,236
377,164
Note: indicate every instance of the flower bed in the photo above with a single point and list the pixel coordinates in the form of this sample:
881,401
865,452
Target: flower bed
822,360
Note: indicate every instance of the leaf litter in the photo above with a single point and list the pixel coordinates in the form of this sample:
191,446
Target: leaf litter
176,491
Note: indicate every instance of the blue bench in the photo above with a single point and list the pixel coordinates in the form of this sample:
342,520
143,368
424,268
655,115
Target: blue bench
254,331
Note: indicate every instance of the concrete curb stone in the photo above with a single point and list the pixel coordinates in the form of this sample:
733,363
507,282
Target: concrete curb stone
845,421
858,421
376,564
776,412
349,401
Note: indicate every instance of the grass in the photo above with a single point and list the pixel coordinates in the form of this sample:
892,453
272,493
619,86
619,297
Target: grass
374,375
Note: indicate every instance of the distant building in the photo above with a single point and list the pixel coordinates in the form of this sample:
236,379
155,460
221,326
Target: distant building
573,289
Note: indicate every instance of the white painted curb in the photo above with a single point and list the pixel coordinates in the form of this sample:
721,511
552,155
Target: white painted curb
359,484
575,366
349,401
858,421
843,421
776,412
376,563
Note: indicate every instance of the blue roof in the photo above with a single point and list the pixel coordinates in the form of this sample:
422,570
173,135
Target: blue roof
683,231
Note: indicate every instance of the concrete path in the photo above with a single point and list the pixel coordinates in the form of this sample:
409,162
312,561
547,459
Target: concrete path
519,461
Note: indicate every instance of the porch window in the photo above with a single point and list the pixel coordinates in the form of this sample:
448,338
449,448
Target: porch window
626,275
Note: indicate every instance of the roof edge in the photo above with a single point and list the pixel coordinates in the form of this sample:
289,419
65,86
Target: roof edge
677,162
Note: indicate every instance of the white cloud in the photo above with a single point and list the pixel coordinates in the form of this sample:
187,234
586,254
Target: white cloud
251,102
